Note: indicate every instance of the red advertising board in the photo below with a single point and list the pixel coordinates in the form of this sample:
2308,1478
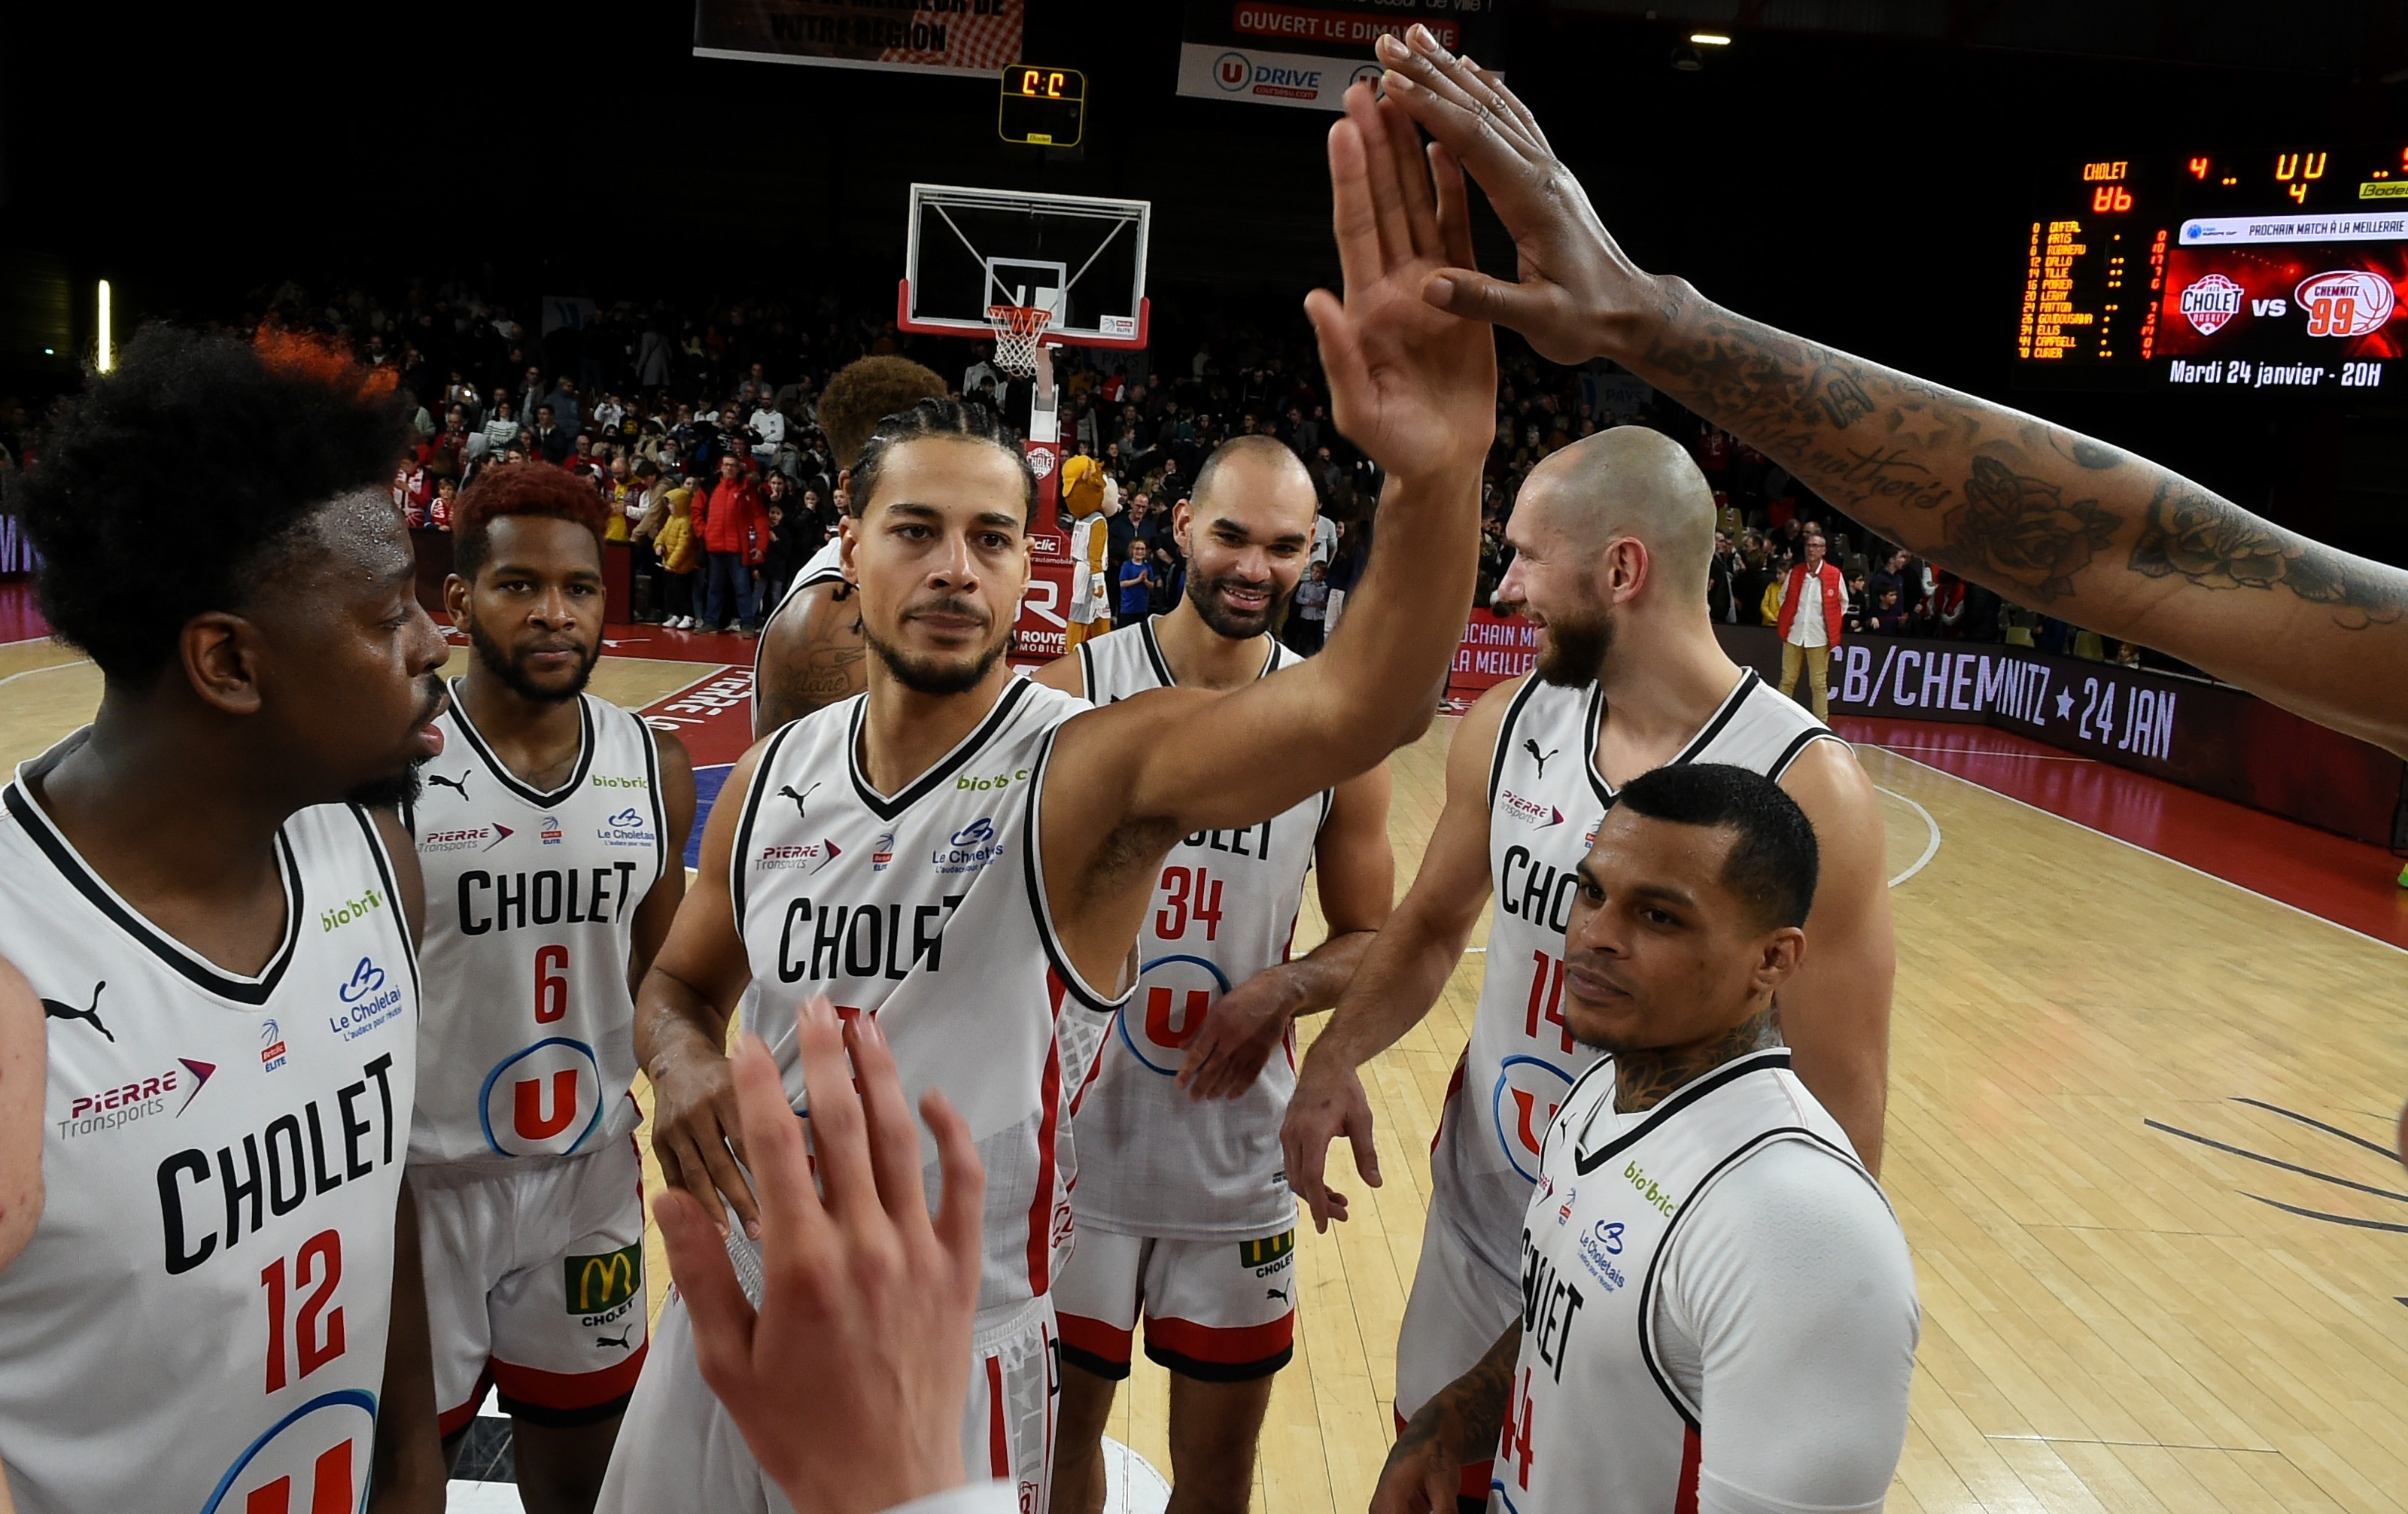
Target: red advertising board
1494,647
1040,635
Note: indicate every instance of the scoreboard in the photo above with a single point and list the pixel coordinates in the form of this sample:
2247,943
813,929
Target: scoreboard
2276,270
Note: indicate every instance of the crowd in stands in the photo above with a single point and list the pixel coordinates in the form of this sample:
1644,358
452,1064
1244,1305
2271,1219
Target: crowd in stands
699,428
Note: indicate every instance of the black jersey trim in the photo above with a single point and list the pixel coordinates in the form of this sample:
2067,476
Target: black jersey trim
384,860
1087,672
1772,1056
175,954
660,801
501,770
1040,908
1796,748
1732,702
1592,732
1505,736
1153,654
739,857
1015,690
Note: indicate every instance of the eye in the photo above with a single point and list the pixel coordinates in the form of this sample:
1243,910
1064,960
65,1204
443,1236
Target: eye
1658,916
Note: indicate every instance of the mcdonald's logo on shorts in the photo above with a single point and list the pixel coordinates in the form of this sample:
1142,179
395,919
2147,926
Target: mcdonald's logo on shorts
594,1283
1262,1253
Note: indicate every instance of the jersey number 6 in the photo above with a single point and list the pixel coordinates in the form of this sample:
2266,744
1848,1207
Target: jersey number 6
551,986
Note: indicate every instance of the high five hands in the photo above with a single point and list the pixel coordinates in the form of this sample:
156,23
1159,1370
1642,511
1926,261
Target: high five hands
1577,294
1414,387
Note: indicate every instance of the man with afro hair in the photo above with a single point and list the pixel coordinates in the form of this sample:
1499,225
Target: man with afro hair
552,835
213,898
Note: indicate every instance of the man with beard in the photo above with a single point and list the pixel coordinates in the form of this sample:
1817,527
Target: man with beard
1183,1213
1613,535
962,860
810,654
553,842
219,933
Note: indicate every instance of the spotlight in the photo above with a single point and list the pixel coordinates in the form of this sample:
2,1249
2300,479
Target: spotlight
107,357
1710,40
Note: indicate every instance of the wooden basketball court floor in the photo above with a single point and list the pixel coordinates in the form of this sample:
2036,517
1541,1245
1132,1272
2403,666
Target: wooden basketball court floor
2138,1136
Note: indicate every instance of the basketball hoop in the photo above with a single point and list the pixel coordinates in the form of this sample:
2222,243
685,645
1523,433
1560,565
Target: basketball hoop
1018,329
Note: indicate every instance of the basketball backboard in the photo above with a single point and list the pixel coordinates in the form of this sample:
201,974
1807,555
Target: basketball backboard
1080,258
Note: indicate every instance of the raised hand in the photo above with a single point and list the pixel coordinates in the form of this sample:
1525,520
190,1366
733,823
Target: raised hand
849,1379
1576,285
1414,387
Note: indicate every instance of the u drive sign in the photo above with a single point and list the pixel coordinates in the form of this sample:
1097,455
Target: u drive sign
1304,54
1259,76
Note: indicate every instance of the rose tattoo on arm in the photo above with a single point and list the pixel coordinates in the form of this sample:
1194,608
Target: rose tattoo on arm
2024,529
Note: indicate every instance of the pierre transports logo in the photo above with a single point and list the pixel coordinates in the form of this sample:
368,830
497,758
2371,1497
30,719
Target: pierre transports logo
1529,812
114,1108
475,837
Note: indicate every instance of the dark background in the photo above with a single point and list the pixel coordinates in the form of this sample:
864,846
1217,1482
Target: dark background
1864,173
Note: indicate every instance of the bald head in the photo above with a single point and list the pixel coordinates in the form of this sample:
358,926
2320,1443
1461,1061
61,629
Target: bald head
1257,466
1630,481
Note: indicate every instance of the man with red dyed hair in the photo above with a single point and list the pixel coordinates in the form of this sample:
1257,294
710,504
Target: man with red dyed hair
552,834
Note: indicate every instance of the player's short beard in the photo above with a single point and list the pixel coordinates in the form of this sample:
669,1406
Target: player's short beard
499,663
1576,646
1205,595
927,676
395,790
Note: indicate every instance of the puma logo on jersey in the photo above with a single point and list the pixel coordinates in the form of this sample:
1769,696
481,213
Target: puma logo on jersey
54,1010
619,1340
1269,1294
458,785
1532,748
787,791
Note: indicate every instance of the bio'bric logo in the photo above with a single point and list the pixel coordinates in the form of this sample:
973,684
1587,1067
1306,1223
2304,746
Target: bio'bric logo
366,980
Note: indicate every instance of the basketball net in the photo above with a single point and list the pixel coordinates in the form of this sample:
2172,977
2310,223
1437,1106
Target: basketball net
1018,329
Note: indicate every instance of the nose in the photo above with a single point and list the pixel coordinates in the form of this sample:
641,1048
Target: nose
1509,588
957,567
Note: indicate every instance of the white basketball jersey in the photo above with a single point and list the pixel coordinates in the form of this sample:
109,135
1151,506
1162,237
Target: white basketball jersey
528,1044
1594,1422
826,566
1545,803
927,909
199,1319
1153,1161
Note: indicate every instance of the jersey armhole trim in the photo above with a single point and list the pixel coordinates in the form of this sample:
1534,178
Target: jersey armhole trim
743,847
1153,654
1798,748
1040,908
659,800
384,860
1522,697
1087,671
1691,1414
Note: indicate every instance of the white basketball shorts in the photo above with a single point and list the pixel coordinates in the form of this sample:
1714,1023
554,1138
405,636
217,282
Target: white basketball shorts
1215,1310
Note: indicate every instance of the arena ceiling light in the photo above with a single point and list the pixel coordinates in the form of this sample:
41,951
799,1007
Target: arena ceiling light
1710,40
105,358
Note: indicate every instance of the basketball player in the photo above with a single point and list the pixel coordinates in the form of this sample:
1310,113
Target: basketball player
2042,515
553,836
1184,1211
1612,536
220,1306
968,857
1717,1307
810,654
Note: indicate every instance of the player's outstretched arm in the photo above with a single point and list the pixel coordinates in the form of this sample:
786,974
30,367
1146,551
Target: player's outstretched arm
1355,869
409,1474
24,1064
660,907
1458,1424
681,1014
810,657
1401,975
1835,1009
1415,388
864,1297
2046,517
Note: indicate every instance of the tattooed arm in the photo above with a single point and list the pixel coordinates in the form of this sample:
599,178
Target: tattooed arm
1459,1425
810,656
2049,519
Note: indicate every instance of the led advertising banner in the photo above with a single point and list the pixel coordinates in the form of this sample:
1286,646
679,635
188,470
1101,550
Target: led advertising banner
1305,54
927,36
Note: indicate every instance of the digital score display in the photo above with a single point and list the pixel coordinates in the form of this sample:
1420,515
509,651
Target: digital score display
2274,270
1042,106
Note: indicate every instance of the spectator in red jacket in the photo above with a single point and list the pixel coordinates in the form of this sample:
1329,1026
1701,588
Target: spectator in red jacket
734,525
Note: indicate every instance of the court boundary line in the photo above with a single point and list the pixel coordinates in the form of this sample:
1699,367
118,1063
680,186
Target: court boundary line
1930,847
2176,861
47,667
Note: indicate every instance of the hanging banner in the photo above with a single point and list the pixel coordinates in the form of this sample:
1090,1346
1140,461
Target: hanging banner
925,36
1268,52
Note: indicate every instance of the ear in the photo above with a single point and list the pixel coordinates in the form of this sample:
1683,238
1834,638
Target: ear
1779,956
1622,570
219,652
848,532
455,600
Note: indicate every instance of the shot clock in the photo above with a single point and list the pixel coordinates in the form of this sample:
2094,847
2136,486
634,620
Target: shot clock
1042,106
2280,270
